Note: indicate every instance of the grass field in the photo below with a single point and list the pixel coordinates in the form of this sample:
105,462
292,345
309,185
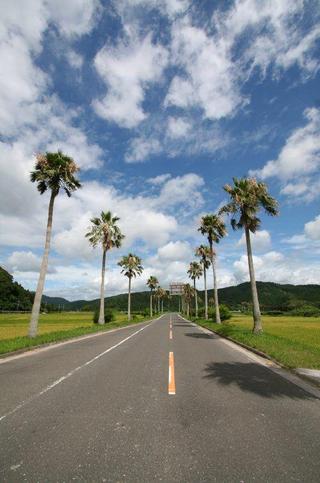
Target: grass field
52,327
292,341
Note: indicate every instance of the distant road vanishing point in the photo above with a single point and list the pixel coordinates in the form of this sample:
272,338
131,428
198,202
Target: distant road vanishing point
157,401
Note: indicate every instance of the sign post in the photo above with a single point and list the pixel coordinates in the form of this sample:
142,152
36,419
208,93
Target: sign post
176,288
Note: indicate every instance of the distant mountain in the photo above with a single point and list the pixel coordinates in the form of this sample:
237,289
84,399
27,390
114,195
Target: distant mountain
272,296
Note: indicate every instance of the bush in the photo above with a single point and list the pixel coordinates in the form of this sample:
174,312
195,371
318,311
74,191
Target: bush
225,313
306,311
108,316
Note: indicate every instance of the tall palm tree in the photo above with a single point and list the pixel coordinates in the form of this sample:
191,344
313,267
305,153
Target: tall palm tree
188,293
104,231
131,267
203,252
248,197
152,284
214,228
53,171
195,271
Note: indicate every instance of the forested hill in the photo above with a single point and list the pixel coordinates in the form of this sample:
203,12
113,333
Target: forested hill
12,295
272,296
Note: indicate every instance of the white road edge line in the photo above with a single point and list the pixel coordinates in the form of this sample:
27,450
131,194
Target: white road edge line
69,374
272,366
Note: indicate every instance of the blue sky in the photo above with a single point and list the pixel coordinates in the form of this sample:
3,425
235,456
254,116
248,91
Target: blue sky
160,103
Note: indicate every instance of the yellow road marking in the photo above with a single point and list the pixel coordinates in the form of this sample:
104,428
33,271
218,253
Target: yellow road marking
172,384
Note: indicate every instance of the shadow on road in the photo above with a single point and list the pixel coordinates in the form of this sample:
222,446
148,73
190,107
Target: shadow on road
254,378
181,325
200,335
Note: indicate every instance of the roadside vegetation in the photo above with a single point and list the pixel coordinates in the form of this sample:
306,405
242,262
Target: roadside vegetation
291,340
54,327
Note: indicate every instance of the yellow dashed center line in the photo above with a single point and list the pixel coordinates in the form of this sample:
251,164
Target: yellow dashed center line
171,384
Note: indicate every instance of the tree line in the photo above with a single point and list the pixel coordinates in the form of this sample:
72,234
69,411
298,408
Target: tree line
55,171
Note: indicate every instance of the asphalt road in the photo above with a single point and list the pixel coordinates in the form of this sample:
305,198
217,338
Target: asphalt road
99,410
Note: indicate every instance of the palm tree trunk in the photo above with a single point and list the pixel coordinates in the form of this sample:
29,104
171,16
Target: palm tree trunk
188,312
151,304
158,305
129,300
33,326
195,296
162,306
215,288
205,293
103,270
257,324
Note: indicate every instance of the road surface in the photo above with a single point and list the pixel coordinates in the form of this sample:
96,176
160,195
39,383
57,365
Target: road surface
160,401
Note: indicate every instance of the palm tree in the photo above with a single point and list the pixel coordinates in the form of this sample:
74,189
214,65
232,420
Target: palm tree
131,267
163,295
188,293
152,284
214,228
104,231
203,252
248,197
158,296
195,271
53,171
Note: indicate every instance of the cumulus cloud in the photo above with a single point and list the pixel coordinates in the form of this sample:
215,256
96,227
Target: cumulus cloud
182,190
261,240
141,148
25,261
178,127
178,250
159,180
31,119
266,34
300,154
312,229
211,75
130,67
274,266
170,8
145,219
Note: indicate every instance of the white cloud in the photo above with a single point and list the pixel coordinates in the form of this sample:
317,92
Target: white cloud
312,228
211,74
178,127
130,67
74,17
175,251
300,154
265,35
25,261
184,190
171,8
160,135
74,59
261,240
141,148
275,267
159,180
22,27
